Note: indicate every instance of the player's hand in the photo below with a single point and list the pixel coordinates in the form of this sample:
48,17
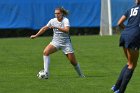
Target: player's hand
118,30
52,27
33,36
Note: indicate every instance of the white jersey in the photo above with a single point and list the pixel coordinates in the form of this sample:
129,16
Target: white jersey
59,35
61,40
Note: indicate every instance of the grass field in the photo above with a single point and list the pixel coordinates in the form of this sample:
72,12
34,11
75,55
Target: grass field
100,58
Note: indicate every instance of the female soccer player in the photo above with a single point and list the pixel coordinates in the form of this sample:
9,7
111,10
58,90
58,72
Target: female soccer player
61,40
130,41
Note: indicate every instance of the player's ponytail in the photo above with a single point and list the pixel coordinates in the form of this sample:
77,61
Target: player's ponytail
138,2
64,11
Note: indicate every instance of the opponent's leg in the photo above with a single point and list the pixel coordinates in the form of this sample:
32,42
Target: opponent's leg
132,62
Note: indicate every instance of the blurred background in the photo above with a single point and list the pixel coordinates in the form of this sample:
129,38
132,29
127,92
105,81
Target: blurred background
21,18
94,38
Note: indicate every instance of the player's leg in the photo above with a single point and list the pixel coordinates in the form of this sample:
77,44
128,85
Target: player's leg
132,63
69,52
132,58
73,61
47,51
125,52
119,81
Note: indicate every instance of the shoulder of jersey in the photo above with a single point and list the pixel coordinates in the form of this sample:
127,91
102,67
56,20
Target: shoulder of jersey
65,18
53,19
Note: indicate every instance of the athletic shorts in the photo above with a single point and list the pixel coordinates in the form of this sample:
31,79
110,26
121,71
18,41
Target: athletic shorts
129,41
65,47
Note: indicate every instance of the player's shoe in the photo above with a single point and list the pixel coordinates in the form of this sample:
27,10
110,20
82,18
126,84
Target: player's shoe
114,88
117,91
82,76
43,75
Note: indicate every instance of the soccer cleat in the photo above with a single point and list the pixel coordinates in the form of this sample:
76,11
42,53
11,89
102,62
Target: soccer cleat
42,75
114,88
82,76
117,91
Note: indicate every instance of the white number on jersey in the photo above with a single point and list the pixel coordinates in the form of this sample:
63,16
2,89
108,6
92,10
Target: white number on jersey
134,11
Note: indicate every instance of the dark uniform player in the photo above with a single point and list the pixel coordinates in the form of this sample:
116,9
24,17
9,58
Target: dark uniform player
130,41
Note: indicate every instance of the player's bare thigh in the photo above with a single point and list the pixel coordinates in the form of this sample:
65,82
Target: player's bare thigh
49,50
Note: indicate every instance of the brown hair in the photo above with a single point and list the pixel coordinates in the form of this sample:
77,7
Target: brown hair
62,10
137,2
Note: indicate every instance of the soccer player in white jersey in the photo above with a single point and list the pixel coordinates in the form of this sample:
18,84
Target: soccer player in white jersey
61,40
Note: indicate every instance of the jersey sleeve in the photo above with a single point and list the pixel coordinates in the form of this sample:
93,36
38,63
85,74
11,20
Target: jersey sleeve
66,22
49,23
126,14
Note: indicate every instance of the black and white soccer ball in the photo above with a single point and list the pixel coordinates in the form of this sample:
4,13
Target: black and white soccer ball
42,75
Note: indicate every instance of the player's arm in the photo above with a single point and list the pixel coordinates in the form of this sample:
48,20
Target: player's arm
65,29
121,22
41,31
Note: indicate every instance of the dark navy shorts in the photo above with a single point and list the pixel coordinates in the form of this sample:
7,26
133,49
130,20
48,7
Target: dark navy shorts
129,41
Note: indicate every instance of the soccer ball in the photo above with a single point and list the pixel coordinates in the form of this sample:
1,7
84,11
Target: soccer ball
42,75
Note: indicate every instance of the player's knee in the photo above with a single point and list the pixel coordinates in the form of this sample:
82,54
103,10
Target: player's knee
46,53
132,66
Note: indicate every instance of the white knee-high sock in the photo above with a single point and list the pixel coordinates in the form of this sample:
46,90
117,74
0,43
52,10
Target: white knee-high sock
78,70
46,63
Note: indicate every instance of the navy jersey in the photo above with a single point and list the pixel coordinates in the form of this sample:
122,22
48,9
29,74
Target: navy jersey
130,37
133,16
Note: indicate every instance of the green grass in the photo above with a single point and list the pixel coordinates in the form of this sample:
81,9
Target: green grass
100,58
